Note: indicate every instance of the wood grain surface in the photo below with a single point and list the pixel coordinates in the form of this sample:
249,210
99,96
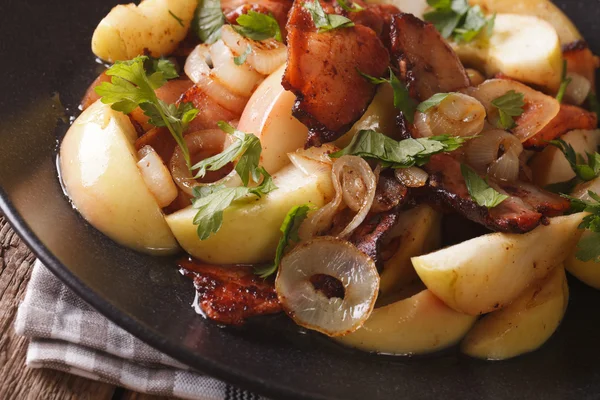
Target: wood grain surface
16,380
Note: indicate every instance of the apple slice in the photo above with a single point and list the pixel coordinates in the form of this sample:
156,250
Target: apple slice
98,165
417,325
524,325
487,273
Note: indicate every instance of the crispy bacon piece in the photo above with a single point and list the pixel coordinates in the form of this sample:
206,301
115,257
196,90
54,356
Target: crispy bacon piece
210,112
389,193
322,72
369,235
581,60
278,8
569,118
544,202
447,187
230,294
434,66
376,16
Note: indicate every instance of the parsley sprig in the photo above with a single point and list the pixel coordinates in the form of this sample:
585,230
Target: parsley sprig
349,8
589,245
398,154
326,22
564,83
480,191
133,84
433,101
402,99
585,170
208,20
258,26
289,237
509,105
456,19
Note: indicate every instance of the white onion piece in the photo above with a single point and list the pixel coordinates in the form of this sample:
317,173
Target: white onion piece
577,91
312,308
321,220
240,79
202,144
482,153
456,115
266,55
314,159
156,176
475,77
198,70
413,177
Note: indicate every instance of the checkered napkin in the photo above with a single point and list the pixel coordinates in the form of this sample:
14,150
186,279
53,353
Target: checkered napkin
69,335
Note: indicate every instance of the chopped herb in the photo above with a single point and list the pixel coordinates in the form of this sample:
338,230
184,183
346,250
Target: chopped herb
585,170
354,8
480,191
398,154
133,86
564,83
208,20
402,99
509,105
179,20
456,19
289,237
212,201
433,101
326,22
258,26
239,60
589,245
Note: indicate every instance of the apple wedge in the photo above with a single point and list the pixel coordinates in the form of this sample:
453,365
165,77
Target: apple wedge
550,166
418,325
250,230
98,166
522,47
418,232
524,325
487,273
268,115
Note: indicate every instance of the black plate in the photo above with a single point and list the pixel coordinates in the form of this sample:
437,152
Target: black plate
45,48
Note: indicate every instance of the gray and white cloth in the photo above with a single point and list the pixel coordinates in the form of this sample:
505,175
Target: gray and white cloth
67,334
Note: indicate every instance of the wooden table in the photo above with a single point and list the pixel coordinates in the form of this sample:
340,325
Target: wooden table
16,380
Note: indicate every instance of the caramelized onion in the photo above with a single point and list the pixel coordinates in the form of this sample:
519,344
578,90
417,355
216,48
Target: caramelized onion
413,177
344,170
202,144
328,285
240,79
156,176
497,152
456,115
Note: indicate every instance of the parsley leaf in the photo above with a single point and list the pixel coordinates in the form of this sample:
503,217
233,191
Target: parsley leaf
433,101
456,19
398,154
589,248
589,245
246,149
509,105
354,8
402,99
179,20
563,84
239,60
131,87
480,191
585,170
289,236
258,26
208,20
211,202
326,22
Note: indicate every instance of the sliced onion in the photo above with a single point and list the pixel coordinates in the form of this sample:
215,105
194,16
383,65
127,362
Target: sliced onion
456,115
198,70
202,144
156,176
413,177
240,79
335,260
482,153
321,220
475,77
314,159
266,55
577,91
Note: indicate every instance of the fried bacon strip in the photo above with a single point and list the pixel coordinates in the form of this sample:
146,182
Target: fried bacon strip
430,62
369,235
277,8
322,71
581,60
231,294
526,207
569,118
